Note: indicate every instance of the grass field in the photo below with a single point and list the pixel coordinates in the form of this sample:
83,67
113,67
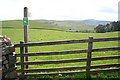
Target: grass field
44,35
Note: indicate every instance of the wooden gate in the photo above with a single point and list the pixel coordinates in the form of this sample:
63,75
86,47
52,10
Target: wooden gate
88,67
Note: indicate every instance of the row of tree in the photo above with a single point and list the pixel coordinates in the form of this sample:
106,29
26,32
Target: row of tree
110,27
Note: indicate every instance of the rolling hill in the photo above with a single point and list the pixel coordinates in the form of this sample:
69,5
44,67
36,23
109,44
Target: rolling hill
32,24
95,22
68,25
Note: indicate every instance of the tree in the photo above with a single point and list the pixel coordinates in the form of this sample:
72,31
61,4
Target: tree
100,29
113,26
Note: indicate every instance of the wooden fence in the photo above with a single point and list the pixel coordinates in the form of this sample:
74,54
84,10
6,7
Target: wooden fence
88,67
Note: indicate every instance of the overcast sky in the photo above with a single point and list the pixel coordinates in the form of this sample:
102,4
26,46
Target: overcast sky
60,9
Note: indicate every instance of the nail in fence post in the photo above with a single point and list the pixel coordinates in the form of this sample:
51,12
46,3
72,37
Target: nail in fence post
90,45
22,57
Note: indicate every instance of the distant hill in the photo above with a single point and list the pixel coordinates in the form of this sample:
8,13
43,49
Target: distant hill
32,24
68,25
91,21
95,22
55,24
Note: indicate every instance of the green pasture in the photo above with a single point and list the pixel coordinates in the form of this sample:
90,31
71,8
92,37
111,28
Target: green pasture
37,35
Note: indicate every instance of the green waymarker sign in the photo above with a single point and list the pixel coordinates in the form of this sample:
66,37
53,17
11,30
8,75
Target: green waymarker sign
25,21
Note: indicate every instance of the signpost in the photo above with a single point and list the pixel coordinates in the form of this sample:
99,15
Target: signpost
25,23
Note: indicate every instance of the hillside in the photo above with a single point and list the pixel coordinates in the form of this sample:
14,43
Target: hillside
95,22
68,25
75,24
32,24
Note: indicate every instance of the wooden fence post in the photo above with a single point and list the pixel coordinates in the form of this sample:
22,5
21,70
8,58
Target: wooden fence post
26,34
22,57
90,45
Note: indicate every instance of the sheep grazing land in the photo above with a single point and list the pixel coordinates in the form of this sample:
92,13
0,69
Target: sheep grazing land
40,32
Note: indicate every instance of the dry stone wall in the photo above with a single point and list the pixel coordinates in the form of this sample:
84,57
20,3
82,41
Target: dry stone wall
8,59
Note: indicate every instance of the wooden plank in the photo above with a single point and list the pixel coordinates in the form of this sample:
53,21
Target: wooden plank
53,53
105,65
69,52
53,69
70,68
57,73
90,45
105,70
67,42
22,57
52,43
54,62
106,39
106,49
72,72
69,60
105,58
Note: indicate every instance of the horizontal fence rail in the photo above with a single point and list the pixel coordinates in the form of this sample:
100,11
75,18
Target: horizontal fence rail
53,53
69,52
106,49
66,42
72,72
54,62
52,43
88,60
68,61
106,39
70,68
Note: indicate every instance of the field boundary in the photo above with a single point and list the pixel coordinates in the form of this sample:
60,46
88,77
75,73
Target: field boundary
88,60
